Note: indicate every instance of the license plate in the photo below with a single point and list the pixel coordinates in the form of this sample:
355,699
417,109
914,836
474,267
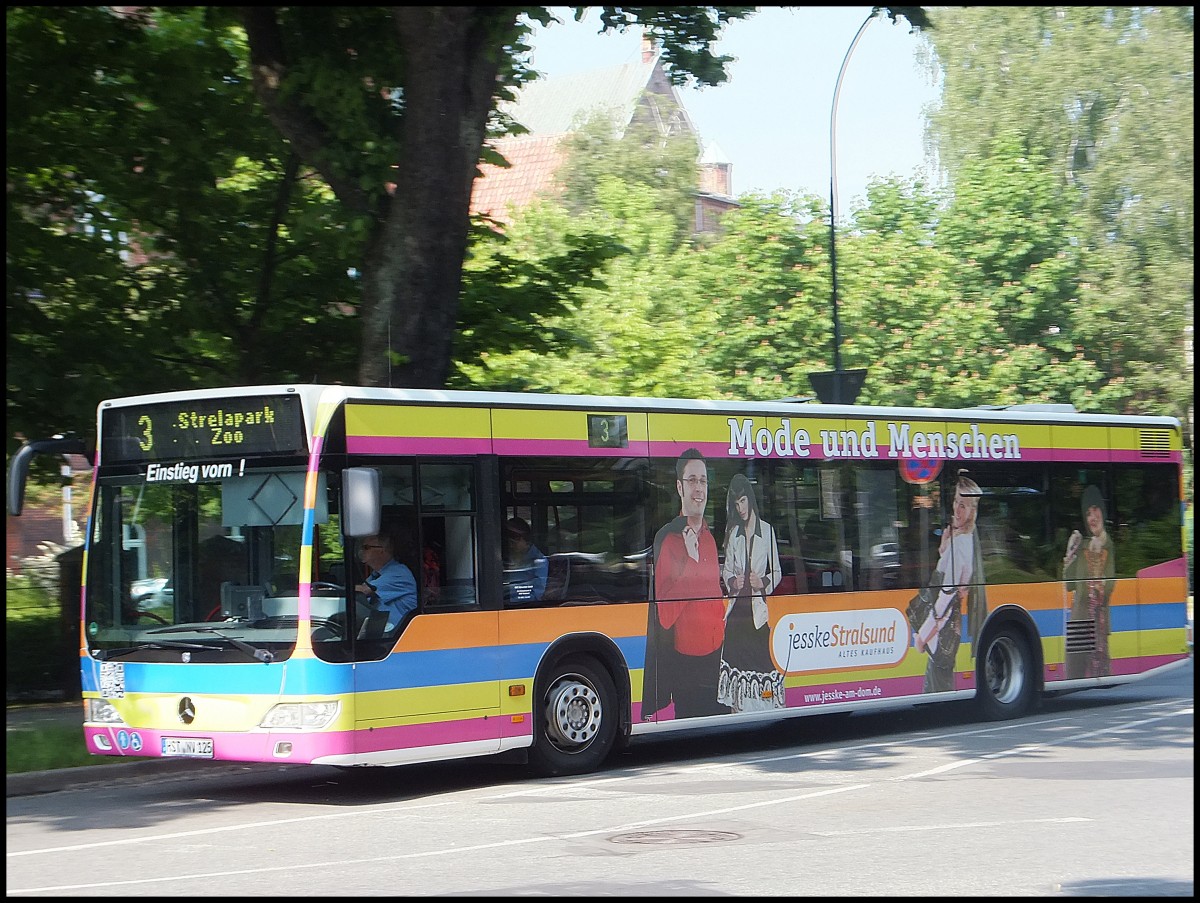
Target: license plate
188,747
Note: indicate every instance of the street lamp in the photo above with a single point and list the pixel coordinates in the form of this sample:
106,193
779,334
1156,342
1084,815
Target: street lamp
839,386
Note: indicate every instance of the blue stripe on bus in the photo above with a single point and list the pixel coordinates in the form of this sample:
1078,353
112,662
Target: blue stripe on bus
522,660
444,667
1158,616
302,676
1051,622
410,670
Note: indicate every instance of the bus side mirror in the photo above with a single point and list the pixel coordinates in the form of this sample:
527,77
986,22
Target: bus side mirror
18,469
361,501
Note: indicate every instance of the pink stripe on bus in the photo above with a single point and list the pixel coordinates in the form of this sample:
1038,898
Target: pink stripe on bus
422,445
410,736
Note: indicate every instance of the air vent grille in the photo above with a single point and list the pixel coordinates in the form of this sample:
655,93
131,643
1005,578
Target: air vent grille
1155,443
1081,636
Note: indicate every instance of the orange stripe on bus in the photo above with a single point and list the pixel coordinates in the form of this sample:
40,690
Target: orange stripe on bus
449,630
543,625
1162,589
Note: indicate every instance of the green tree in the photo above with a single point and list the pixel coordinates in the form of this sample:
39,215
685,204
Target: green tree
165,218
598,151
1012,235
1102,99
623,332
392,106
160,223
902,314
160,233
764,285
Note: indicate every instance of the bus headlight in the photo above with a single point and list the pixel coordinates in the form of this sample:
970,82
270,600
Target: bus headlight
301,715
102,711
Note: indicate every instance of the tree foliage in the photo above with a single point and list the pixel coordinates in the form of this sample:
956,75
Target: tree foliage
955,298
392,106
1099,101
160,234
218,195
294,185
598,152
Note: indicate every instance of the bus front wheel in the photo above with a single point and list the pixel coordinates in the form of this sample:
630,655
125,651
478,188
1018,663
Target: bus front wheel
1007,686
574,718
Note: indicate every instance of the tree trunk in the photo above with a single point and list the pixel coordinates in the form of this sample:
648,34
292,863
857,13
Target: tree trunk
413,266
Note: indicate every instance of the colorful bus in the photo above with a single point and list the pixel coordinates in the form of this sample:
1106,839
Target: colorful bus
589,569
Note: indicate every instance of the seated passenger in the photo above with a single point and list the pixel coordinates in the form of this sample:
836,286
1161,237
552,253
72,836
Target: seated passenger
525,567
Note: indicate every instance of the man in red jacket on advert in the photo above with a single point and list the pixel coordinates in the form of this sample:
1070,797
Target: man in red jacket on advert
687,621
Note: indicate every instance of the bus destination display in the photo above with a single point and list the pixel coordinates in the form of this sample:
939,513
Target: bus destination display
201,429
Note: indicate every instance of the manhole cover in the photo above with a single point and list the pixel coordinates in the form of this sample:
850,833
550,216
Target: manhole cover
663,838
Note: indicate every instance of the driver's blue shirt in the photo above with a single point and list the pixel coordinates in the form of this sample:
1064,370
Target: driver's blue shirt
395,591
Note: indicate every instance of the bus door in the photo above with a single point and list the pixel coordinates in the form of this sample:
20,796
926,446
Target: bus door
437,676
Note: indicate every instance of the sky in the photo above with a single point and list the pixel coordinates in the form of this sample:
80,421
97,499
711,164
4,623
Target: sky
771,119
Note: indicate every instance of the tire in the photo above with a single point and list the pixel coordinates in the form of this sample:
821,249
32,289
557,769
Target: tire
574,718
1007,687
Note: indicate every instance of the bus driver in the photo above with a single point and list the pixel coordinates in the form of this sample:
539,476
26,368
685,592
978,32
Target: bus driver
391,588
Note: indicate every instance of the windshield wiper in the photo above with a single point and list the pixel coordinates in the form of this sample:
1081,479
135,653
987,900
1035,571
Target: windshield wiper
105,655
266,656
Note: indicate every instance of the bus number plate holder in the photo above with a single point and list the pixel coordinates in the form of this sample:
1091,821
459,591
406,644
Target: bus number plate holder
187,747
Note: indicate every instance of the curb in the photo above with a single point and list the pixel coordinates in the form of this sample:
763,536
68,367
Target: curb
32,783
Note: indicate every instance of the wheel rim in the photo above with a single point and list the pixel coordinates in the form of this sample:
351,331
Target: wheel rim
1004,674
573,713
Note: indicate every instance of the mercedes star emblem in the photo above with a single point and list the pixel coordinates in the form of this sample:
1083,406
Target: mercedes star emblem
187,710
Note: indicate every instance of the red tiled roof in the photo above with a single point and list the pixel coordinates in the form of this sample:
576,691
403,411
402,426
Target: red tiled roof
533,158
553,108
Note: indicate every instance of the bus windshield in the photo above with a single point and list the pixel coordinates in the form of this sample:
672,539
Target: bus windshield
171,561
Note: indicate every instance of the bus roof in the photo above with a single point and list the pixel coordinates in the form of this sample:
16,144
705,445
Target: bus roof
314,394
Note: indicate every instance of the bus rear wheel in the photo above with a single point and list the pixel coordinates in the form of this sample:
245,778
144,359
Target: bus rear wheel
574,718
1006,687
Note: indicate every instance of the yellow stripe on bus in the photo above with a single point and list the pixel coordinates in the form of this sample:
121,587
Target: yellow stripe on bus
532,423
426,422
1080,437
424,705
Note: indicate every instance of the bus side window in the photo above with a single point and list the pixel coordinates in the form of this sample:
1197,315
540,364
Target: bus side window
432,570
448,554
446,576
458,565
587,517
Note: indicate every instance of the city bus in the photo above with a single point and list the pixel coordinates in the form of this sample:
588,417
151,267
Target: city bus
695,563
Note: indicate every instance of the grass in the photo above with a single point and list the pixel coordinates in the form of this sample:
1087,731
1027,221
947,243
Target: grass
40,665
37,642
48,747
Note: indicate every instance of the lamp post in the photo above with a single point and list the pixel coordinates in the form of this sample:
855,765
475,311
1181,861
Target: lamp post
840,386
